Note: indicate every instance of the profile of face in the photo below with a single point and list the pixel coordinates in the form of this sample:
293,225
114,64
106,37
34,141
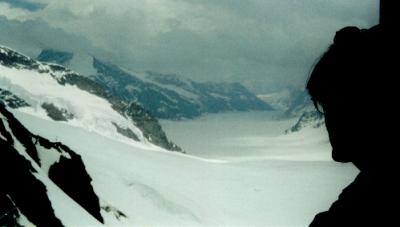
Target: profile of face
354,83
351,127
340,130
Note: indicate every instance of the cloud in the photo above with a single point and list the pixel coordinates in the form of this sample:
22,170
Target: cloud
32,36
24,4
13,13
264,44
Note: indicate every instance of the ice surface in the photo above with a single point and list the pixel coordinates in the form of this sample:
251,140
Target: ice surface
249,135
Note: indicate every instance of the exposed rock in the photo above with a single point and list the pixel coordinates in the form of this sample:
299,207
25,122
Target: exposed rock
311,119
114,211
57,114
24,188
127,132
12,100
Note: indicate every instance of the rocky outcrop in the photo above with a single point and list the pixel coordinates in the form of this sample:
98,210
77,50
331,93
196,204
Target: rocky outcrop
309,119
57,114
12,100
303,108
23,157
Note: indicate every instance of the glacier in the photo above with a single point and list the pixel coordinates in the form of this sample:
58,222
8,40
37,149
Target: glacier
161,188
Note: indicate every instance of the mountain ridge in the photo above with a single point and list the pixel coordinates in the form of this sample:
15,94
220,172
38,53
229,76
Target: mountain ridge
168,96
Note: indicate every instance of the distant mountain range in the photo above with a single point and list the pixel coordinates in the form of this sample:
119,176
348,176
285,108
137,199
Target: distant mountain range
164,96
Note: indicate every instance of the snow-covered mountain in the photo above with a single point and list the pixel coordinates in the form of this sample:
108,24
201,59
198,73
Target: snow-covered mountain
308,119
165,96
40,178
295,103
53,92
285,99
302,107
300,103
82,153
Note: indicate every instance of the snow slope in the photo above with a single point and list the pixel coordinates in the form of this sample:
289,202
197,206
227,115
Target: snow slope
50,95
90,112
170,189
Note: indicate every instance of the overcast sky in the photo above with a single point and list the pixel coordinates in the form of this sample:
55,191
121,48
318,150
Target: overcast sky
265,44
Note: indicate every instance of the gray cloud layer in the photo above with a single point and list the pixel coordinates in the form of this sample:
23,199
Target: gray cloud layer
266,44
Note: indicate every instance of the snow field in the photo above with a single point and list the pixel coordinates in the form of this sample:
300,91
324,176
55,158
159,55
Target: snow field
159,188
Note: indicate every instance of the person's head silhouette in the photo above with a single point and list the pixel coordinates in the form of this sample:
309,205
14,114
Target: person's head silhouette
354,85
351,86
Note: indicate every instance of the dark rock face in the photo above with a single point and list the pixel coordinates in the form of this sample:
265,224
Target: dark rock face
9,214
12,100
71,176
114,211
24,189
20,133
150,127
127,132
56,113
14,59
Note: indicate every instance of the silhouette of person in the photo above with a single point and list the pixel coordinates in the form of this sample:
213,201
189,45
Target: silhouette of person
354,86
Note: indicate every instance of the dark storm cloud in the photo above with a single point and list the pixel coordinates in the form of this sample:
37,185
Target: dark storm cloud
266,44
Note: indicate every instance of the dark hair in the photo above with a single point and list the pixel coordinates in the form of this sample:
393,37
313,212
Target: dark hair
339,69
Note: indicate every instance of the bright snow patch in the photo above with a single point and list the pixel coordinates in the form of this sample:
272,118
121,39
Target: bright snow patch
90,112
